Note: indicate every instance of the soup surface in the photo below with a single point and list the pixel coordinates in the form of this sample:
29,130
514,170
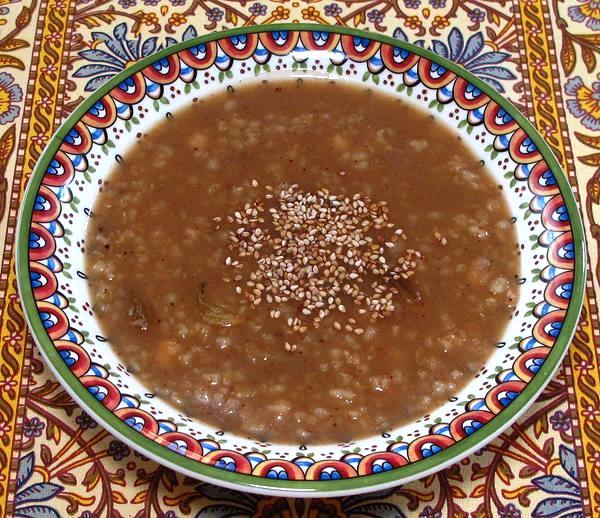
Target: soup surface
302,261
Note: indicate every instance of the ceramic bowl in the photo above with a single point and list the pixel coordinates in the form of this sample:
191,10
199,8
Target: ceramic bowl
65,183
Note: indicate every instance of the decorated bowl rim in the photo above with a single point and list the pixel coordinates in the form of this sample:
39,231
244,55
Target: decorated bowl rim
206,472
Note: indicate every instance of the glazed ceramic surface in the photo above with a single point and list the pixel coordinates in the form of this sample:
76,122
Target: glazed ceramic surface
66,182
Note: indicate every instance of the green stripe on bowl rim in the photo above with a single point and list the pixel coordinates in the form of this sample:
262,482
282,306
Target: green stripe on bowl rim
305,488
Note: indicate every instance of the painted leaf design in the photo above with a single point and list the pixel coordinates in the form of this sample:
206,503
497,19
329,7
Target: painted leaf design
496,85
134,47
472,48
92,84
359,18
45,455
497,72
36,511
528,471
119,497
567,55
440,48
149,46
139,497
556,485
92,70
7,144
478,492
399,34
593,189
568,461
188,34
68,478
25,469
13,44
540,426
457,492
38,492
589,58
101,57
456,41
593,159
114,44
589,140
554,507
504,471
53,432
549,448
23,18
168,479
120,31
11,61
92,477
489,58
231,16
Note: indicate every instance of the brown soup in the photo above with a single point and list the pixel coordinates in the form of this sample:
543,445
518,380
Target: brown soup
302,261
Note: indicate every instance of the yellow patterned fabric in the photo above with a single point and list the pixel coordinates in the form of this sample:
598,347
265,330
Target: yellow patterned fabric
543,55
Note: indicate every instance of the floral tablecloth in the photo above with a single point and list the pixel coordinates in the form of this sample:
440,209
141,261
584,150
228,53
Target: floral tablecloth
543,54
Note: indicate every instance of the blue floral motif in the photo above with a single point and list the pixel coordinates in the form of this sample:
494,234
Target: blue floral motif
477,15
566,494
120,51
333,10
586,102
27,499
560,421
258,9
117,450
470,55
215,14
33,427
375,16
588,11
12,93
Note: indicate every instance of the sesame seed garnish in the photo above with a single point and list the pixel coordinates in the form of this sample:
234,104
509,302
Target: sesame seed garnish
290,347
443,241
316,250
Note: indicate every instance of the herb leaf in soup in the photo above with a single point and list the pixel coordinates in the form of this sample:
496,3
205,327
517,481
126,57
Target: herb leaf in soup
217,314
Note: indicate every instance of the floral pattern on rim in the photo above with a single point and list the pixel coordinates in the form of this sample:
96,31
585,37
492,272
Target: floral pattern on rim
547,202
586,102
469,54
10,94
